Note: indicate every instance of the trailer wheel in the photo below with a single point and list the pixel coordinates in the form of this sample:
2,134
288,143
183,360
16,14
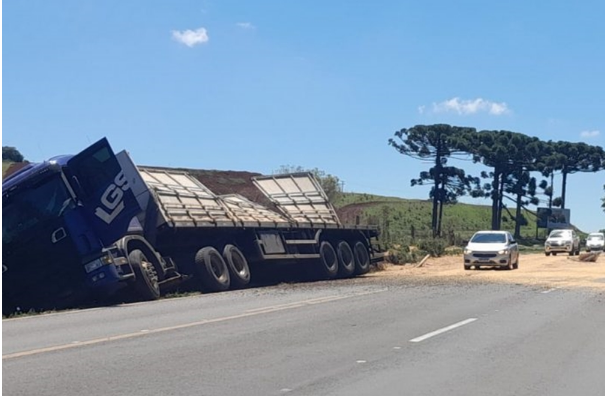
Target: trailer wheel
328,261
211,271
146,283
362,258
238,266
346,259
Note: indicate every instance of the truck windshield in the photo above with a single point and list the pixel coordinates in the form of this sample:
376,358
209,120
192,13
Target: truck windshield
31,206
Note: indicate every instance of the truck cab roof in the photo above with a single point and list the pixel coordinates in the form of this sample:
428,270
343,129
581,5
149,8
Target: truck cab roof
33,169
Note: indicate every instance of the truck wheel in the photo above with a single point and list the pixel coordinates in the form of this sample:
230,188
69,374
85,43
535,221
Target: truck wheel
211,271
238,266
547,253
362,258
328,261
146,278
346,259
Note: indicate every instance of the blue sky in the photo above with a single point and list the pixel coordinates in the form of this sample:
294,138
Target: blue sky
236,85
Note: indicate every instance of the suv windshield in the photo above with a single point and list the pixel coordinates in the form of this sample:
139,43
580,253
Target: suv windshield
595,237
489,238
559,234
32,206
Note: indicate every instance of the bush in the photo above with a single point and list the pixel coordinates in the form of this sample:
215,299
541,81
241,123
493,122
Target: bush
399,254
434,247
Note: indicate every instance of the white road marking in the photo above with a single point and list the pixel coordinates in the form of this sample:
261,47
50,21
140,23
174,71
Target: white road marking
286,390
146,332
443,330
396,347
361,361
549,290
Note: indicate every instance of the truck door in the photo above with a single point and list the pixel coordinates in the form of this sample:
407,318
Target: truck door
104,191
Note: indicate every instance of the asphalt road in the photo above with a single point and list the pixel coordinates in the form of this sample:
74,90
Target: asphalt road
353,337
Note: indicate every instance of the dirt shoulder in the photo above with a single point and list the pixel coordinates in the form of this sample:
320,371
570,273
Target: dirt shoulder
534,269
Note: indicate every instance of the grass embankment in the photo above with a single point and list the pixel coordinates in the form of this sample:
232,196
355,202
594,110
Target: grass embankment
5,166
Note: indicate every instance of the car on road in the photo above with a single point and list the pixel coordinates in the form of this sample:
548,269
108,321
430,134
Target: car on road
492,248
562,241
595,241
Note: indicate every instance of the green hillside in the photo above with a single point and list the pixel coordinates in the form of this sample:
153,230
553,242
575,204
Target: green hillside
404,219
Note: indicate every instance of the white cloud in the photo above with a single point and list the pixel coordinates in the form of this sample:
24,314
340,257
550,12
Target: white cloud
191,38
468,106
245,25
590,134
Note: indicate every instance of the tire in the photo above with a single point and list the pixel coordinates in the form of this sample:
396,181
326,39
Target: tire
467,267
554,253
346,259
547,253
211,271
146,284
516,265
572,253
362,258
327,267
239,271
510,264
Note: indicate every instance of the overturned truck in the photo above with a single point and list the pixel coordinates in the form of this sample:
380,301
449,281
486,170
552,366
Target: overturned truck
89,226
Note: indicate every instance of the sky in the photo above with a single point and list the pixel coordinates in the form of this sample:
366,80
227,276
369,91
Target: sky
235,85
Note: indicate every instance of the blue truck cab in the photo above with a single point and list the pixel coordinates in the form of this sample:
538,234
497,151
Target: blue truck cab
61,219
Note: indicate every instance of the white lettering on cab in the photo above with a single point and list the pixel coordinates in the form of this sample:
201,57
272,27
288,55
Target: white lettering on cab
112,199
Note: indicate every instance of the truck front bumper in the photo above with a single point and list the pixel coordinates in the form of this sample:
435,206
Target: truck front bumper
109,278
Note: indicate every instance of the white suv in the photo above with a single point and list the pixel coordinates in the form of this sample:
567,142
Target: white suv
562,241
595,241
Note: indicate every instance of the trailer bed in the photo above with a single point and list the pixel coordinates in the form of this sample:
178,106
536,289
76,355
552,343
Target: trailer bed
184,202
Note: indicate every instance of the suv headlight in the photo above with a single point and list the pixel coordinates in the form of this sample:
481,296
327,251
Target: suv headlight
503,251
468,251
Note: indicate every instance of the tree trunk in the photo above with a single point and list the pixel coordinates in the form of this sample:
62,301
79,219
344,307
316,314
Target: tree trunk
518,216
495,186
436,191
500,202
435,210
440,219
563,189
552,189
